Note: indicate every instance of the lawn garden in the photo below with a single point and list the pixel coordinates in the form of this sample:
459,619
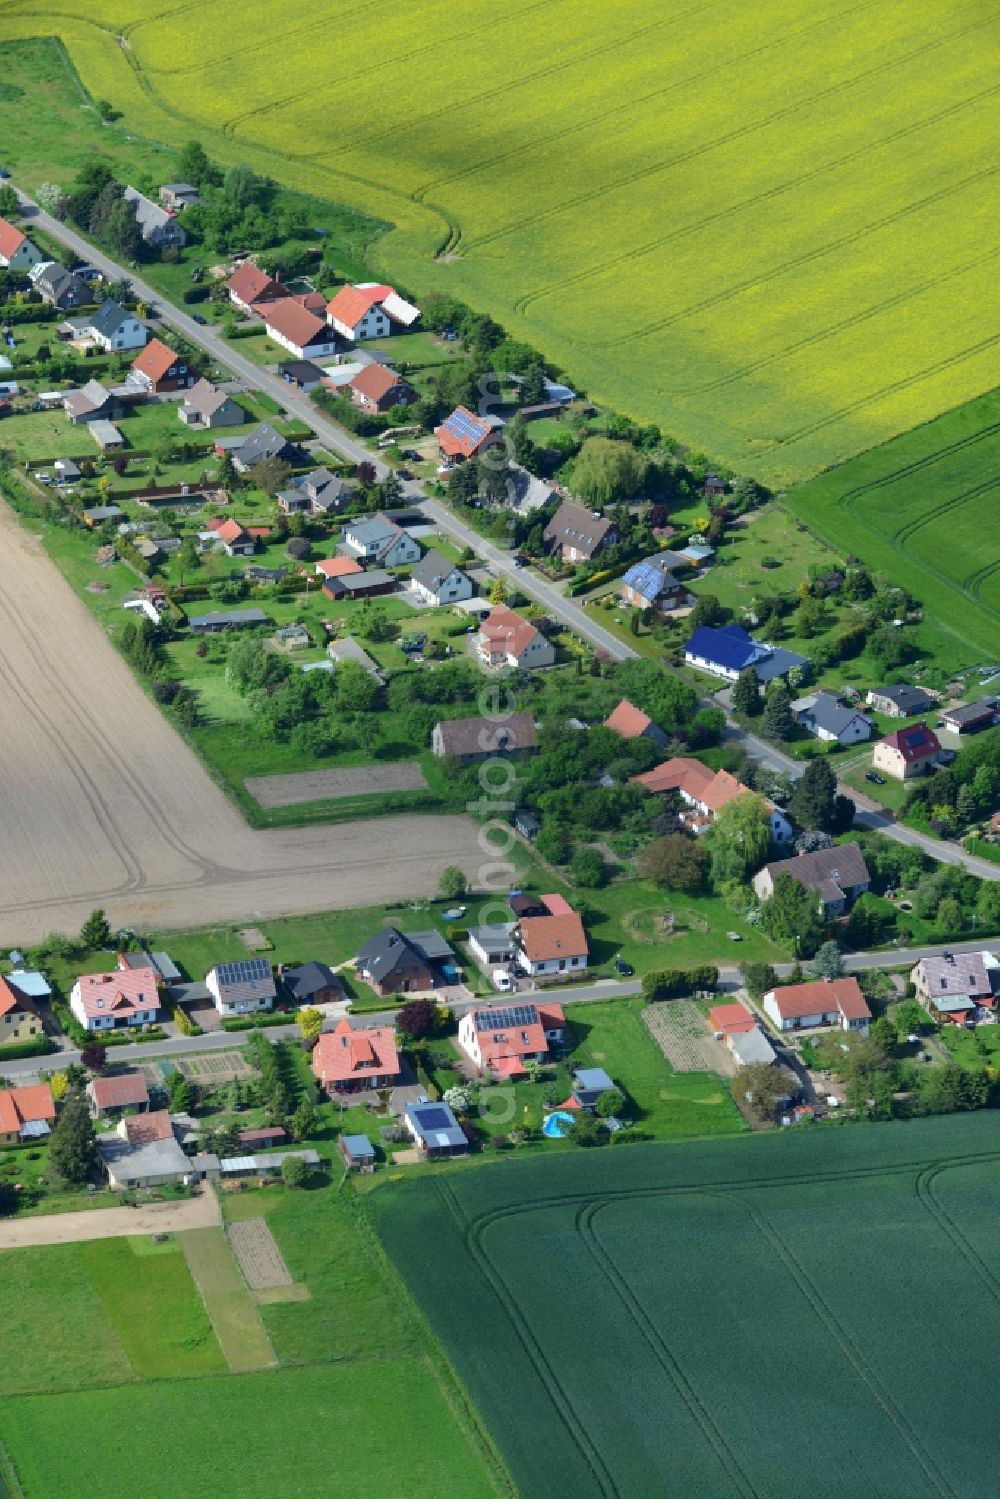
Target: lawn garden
691,1274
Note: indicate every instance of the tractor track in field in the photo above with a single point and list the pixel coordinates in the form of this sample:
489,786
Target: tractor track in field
924,1188
726,213
532,1348
911,527
776,116
667,1360
850,497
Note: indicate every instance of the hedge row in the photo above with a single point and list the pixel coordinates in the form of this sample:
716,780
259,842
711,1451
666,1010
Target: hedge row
257,1021
674,983
39,1047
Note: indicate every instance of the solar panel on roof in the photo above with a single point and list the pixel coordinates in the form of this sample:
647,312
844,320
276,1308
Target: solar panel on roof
508,1018
435,1119
244,970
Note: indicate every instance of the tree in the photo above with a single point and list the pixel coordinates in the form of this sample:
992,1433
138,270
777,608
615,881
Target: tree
778,722
304,1121
96,930
610,1104
294,1171
674,861
180,1092
587,867
746,693
453,882
791,917
93,1056
739,839
812,803
72,1152
762,1086
417,1018
605,471
458,1099
911,1018
883,1031
759,978
270,475
188,557
123,233
585,1130
498,591
949,917
554,843
194,166
59,1084
51,197
10,207
828,962
707,611
310,1022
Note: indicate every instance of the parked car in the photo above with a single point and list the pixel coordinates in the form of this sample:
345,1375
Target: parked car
412,455
625,969
502,981
405,473
874,777
196,317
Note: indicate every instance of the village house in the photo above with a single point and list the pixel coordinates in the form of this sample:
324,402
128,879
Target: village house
505,639
242,987
117,1000
263,442
348,1059
178,195
579,534
369,310
111,328
434,1129
93,403
338,567
109,1095
953,985
249,285
651,585
360,585
312,984
435,580
298,330
968,718
705,792
206,406
462,436
726,650
838,876
395,962
839,1002
376,538
553,945
26,1113
501,1038
226,619
235,540
328,494
900,700
17,253
906,753
340,651
823,715
58,287
158,368
472,739
376,388
157,1162
159,229
631,723
19,1016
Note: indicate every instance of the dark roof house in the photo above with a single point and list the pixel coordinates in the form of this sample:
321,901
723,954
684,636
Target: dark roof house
838,875
482,738
579,533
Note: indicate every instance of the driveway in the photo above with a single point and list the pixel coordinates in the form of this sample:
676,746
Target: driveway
201,1211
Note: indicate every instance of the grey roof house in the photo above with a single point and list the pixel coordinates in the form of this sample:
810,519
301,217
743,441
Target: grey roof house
94,402
579,533
838,875
205,405
241,987
226,619
59,287
265,441
823,715
395,962
112,328
435,580
900,700
158,228
482,738
312,984
378,539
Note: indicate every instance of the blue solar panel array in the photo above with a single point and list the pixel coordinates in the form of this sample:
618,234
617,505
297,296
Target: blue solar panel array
435,1119
461,425
245,971
507,1019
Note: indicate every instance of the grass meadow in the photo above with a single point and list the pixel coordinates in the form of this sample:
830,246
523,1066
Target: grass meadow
923,510
725,1319
711,216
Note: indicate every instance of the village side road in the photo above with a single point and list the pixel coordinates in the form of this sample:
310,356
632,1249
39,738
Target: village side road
200,1211
575,616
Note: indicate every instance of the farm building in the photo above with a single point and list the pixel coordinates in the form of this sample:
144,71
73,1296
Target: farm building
900,700
434,1129
227,619
157,1163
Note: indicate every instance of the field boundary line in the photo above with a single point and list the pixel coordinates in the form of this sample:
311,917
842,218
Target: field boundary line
695,1405
533,1351
232,1311
924,1188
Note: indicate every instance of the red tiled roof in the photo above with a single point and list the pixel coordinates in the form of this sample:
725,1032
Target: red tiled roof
731,1020
679,774
229,530
143,1129
21,1106
461,434
547,937
918,742
556,905
119,992
294,322
344,1054
339,567
155,360
794,1001
628,720
352,302
11,239
375,381
502,627
10,1000
119,1092
250,283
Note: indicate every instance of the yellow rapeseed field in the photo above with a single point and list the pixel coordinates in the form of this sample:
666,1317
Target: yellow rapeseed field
769,228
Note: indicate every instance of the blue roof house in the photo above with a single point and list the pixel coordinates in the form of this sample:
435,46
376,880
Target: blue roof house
727,650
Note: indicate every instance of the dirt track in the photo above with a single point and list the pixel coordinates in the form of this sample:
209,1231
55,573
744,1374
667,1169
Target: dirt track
111,1223
103,804
327,785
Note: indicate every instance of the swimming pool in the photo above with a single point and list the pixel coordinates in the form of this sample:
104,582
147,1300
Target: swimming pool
557,1125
